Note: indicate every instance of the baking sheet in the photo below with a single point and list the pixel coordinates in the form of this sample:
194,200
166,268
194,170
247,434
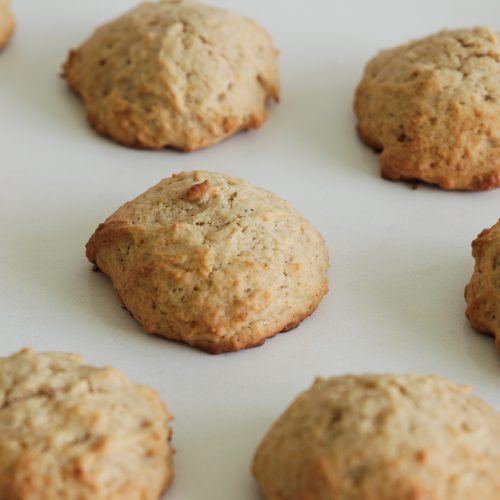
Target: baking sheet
400,258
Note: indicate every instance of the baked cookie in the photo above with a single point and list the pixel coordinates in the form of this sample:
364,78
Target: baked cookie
382,437
212,261
175,73
432,108
482,294
6,22
78,432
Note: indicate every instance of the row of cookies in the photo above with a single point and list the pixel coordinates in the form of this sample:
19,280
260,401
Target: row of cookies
430,106
70,430
222,265
177,73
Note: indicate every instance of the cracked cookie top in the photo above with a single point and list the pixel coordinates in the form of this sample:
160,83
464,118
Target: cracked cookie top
212,261
73,431
175,73
382,437
432,108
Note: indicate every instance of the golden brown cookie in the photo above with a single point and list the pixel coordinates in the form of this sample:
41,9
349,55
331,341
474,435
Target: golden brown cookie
71,431
432,108
482,294
6,22
382,437
175,73
212,261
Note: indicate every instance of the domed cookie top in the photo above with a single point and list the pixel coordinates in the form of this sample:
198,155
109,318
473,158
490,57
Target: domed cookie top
175,73
77,432
382,437
6,22
482,294
432,107
212,261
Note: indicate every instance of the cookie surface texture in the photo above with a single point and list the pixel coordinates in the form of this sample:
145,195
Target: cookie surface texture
212,261
482,294
432,107
175,73
6,22
78,432
382,437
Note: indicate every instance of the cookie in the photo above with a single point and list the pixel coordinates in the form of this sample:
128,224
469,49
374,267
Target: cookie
432,108
78,432
212,261
382,437
482,294
6,22
175,73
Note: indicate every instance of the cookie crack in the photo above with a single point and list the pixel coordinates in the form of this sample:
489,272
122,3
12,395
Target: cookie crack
10,401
